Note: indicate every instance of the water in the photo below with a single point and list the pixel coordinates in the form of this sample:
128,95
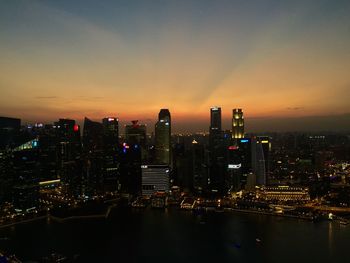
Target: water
180,236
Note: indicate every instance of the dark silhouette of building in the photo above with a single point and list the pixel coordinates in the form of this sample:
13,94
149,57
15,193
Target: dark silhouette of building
110,132
200,169
26,172
69,155
93,182
136,134
133,153
9,130
245,152
111,160
92,136
217,152
234,169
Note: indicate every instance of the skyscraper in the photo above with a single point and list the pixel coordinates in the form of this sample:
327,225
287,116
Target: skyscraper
260,158
199,167
92,135
26,168
163,137
217,152
234,169
135,134
237,124
215,120
133,153
110,132
93,157
69,154
110,157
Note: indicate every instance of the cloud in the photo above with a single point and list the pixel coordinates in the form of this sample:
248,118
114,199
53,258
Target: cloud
46,97
295,108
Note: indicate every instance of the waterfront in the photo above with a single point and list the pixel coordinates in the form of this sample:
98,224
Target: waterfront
180,236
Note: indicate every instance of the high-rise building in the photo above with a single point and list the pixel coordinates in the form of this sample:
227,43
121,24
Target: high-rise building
110,132
69,154
215,121
199,167
93,181
133,153
234,169
135,134
26,172
163,138
9,129
217,152
111,160
237,124
260,158
155,178
92,135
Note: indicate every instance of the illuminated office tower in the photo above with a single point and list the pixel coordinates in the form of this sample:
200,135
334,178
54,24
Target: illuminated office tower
155,178
163,137
260,158
266,148
237,124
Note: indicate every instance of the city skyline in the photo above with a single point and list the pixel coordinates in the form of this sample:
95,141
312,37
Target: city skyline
174,130
277,61
302,124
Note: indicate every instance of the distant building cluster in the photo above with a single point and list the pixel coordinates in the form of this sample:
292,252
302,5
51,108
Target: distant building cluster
82,163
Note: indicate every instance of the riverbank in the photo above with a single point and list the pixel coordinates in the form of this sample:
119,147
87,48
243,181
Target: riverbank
93,216
309,218
23,221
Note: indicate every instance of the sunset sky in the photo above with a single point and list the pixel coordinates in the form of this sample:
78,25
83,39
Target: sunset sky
275,59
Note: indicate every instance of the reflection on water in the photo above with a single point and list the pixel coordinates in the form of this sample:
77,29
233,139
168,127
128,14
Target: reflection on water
330,237
181,236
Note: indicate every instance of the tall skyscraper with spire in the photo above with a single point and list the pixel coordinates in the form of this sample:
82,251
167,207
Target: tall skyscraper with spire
163,138
237,124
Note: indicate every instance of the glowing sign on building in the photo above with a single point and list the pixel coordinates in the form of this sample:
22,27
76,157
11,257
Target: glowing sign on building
232,147
234,166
